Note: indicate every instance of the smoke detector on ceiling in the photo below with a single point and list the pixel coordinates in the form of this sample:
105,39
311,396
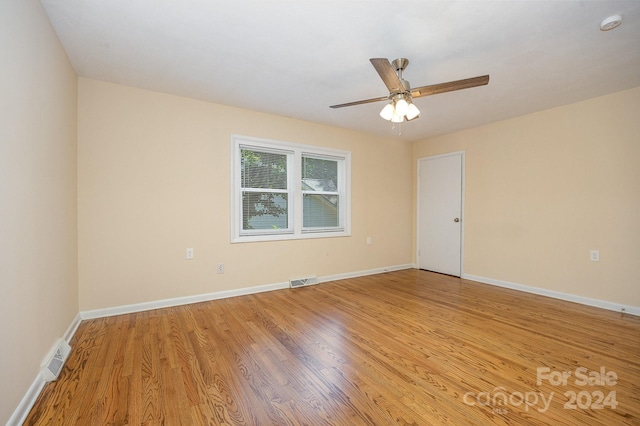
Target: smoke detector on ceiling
610,23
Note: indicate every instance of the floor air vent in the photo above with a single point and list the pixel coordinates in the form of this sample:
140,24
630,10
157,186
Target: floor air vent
301,282
55,361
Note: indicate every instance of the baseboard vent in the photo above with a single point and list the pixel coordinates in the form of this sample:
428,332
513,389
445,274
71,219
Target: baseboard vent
301,282
55,360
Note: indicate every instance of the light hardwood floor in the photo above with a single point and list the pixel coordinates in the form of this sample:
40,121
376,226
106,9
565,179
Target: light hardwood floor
408,347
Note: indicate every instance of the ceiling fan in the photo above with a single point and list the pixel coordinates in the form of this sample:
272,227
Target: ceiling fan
400,107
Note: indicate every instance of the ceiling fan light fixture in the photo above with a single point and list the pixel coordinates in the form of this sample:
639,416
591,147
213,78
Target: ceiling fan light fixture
387,112
400,109
402,106
397,118
412,112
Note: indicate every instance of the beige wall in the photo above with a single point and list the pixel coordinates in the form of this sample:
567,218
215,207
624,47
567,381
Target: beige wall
154,179
544,189
38,256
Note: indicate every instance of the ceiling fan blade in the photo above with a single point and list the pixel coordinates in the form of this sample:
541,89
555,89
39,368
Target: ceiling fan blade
387,74
434,89
366,101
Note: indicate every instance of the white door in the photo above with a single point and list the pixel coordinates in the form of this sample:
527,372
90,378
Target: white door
440,213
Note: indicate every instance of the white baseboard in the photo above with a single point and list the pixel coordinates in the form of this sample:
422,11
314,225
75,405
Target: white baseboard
366,272
604,304
22,411
24,407
177,301
71,330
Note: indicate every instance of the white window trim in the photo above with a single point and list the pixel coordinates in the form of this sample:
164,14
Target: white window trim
295,231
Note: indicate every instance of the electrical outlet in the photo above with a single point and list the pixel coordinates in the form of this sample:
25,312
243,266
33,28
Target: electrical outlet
594,255
190,254
220,268
369,241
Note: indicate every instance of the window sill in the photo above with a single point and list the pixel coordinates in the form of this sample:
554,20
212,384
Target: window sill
284,237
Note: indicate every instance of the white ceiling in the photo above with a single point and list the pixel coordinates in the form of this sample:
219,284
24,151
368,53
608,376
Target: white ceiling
295,58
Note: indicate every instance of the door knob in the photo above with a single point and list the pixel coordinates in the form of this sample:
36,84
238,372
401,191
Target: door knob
456,219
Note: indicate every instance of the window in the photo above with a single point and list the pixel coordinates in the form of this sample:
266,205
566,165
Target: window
285,191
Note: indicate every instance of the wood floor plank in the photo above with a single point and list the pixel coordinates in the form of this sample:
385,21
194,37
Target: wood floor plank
403,348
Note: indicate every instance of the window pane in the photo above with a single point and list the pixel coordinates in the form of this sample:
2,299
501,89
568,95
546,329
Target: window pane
319,175
265,170
320,211
261,210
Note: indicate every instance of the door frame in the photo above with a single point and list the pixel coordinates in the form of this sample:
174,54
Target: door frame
462,204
